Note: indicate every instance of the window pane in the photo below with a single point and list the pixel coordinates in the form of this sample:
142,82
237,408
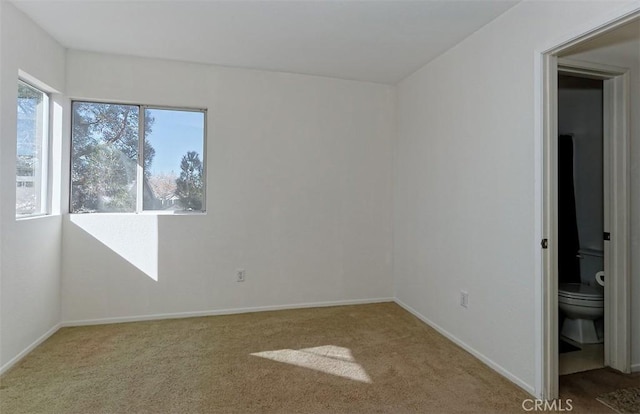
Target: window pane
104,157
31,143
173,165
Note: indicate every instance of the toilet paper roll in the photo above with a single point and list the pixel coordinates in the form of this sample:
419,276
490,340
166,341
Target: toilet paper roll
600,277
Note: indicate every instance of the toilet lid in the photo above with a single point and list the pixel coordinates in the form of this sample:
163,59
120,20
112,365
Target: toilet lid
579,290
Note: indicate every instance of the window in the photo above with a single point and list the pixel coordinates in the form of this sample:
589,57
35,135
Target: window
130,158
175,172
31,151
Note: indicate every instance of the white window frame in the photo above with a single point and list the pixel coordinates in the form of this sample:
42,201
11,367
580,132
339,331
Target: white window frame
140,162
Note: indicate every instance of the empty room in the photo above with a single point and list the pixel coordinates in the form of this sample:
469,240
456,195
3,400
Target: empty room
319,206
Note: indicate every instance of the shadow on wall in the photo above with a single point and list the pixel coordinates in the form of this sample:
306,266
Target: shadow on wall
134,238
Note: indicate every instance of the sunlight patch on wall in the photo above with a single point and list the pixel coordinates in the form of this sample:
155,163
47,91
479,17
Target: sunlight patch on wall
133,237
330,359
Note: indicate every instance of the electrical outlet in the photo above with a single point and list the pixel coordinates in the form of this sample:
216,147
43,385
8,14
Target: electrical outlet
240,275
464,299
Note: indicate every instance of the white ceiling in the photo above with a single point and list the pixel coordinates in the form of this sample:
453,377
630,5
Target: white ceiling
379,41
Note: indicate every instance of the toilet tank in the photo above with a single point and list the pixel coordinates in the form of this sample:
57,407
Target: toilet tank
591,262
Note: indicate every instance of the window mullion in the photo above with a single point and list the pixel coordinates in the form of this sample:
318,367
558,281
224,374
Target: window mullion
44,173
140,168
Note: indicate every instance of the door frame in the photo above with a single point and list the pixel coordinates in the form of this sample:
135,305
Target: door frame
617,219
616,205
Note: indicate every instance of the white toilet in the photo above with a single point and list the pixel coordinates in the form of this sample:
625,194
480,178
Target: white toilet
583,303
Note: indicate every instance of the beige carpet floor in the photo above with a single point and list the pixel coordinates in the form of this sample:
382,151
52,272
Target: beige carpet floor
351,359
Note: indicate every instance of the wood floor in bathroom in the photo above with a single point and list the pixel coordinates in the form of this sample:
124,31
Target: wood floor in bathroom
587,358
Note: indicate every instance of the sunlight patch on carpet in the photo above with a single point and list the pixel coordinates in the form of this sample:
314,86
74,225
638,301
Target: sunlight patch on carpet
330,359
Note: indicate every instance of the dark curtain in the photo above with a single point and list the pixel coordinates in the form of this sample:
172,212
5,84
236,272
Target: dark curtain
568,242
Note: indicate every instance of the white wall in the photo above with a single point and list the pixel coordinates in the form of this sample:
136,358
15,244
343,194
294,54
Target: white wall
31,248
298,194
465,184
624,51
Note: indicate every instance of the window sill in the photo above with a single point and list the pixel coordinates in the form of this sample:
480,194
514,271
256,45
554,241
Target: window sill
34,216
144,213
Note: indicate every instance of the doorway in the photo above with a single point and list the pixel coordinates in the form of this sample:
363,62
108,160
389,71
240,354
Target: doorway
581,205
616,189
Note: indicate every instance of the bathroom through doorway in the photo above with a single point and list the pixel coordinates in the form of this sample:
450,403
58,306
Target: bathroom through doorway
581,235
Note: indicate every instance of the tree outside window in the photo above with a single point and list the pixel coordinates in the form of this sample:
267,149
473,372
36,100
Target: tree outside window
113,168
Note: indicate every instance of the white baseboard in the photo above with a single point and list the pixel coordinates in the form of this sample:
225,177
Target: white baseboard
6,367
493,365
231,311
635,368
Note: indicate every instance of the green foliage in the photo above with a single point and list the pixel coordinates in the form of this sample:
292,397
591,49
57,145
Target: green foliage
105,156
189,185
